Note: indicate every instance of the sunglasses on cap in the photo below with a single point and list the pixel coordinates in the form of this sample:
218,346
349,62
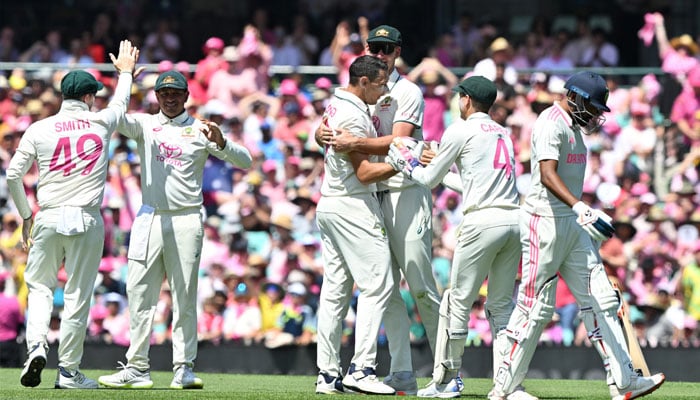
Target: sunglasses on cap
386,48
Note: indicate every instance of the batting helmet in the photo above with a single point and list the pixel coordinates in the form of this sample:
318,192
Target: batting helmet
591,87
587,88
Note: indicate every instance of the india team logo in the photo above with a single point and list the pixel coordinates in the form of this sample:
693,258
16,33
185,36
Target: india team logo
169,154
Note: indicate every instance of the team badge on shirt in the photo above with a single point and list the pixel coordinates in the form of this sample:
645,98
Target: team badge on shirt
385,103
188,132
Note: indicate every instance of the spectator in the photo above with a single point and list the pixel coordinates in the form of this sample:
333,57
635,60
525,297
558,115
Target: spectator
601,52
161,44
116,323
242,317
293,127
213,61
11,323
256,56
8,48
677,60
303,40
100,37
271,307
467,36
284,51
49,50
297,322
582,40
446,50
690,281
434,79
686,104
77,54
346,48
210,322
554,60
500,52
529,53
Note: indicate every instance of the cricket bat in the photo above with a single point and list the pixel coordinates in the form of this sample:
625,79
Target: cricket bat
638,360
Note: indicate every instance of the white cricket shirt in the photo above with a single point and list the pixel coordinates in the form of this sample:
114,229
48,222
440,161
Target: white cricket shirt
173,153
70,149
403,103
483,152
346,111
554,138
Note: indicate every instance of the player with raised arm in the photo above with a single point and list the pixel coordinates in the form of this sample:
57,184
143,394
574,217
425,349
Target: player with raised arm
561,235
70,149
167,234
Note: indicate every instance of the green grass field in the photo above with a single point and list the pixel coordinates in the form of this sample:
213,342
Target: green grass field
227,386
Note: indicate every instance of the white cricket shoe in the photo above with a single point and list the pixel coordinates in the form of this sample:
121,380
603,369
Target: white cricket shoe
404,383
518,394
127,378
185,379
365,381
73,380
36,361
448,390
326,384
639,386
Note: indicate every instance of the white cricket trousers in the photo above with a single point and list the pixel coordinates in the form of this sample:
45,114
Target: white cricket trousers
82,253
355,251
493,250
173,253
408,219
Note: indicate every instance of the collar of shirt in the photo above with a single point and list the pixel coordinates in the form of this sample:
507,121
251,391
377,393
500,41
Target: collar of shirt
343,94
478,115
181,119
394,77
567,117
74,105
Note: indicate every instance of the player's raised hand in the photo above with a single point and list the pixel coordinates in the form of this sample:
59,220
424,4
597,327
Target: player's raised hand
213,133
596,223
126,60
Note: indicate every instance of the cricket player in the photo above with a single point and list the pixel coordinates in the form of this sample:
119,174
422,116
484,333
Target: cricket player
354,242
488,240
70,150
561,234
166,236
406,206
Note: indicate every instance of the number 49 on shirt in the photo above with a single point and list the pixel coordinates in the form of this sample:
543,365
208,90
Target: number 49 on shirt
88,148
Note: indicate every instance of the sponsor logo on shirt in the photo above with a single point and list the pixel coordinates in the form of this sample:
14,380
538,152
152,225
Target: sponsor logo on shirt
576,158
157,129
169,154
376,122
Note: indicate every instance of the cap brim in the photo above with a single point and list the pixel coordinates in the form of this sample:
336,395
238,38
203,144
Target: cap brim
100,86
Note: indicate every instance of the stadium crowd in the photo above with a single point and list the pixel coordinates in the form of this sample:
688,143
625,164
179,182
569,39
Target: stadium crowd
261,269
